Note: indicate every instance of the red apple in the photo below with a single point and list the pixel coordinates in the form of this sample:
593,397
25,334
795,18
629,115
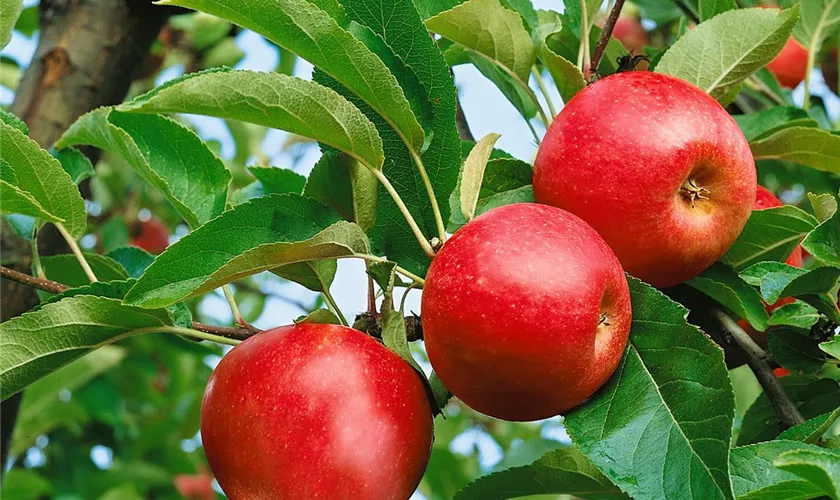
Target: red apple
790,65
195,486
151,235
781,372
656,166
318,412
526,312
765,199
629,31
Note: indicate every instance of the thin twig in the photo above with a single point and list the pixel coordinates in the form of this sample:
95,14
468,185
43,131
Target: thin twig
687,11
463,127
74,247
55,287
757,359
31,281
606,33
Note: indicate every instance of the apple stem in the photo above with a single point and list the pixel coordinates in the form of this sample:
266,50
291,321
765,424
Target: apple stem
74,247
544,90
606,33
758,360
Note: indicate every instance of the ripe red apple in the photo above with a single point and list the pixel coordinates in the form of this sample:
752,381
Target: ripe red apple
765,199
781,372
318,412
656,166
526,312
195,486
629,31
151,235
790,65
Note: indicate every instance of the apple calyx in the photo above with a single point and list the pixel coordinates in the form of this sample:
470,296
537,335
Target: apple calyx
693,192
604,320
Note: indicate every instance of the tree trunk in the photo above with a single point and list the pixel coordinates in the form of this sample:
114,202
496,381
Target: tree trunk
88,53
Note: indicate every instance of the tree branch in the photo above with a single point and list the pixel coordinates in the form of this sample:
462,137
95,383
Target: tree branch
606,33
463,127
758,361
687,11
55,287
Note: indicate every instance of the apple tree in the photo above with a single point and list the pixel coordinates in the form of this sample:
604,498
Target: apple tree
658,284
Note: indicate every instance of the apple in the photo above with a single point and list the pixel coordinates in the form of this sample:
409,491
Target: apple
151,235
195,486
781,372
765,199
629,31
316,411
656,166
526,312
790,65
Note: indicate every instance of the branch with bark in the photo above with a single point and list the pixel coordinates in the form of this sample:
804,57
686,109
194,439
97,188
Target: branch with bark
759,361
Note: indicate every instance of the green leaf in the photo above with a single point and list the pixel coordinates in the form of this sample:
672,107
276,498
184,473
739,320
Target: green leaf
399,26
513,91
257,236
781,280
273,100
300,26
755,478
811,430
343,184
565,471
66,330
42,410
134,260
566,75
812,396
77,165
17,202
814,147
9,12
394,336
278,180
320,316
666,414
316,275
725,50
769,121
824,204
795,351
488,28
710,8
113,290
164,153
473,174
832,347
820,20
821,467
824,241
13,121
506,181
797,314
725,286
770,234
33,171
26,484
65,269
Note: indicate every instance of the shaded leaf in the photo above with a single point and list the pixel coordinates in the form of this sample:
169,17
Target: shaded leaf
755,478
811,430
257,236
564,471
74,163
164,153
797,314
769,121
821,467
66,331
725,286
134,260
795,351
322,316
770,234
824,241
811,146
278,180
65,269
344,185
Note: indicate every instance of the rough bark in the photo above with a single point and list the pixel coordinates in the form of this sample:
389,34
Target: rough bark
88,54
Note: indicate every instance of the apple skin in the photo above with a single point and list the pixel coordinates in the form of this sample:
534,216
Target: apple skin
512,310
629,31
316,411
790,64
626,153
151,235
